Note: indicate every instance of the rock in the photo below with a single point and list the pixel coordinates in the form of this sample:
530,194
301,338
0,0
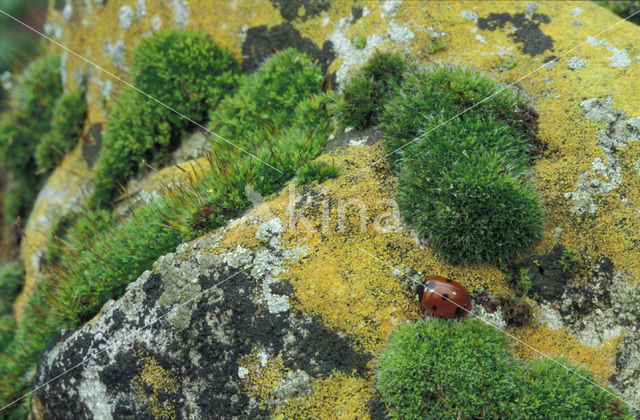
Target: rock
574,186
177,342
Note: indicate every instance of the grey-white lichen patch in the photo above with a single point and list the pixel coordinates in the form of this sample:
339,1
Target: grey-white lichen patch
575,63
267,265
270,230
353,57
480,38
550,65
116,53
530,9
577,11
296,384
64,57
606,174
548,316
494,318
141,9
389,8
239,258
469,15
156,22
620,57
67,11
398,33
90,390
125,17
105,88
180,10
576,22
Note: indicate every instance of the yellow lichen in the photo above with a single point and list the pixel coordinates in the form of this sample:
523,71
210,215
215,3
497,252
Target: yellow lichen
152,382
600,361
262,374
337,396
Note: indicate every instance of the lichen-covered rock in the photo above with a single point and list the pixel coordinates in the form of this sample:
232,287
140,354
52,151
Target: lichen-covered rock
204,334
587,174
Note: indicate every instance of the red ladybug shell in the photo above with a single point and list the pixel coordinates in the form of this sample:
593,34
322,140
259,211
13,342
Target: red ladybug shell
445,297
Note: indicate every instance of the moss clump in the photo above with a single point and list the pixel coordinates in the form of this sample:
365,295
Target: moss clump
21,129
266,99
67,123
441,369
430,97
317,171
436,45
186,71
360,42
364,95
461,180
462,186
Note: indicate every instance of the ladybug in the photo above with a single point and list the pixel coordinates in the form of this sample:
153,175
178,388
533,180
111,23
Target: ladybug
445,297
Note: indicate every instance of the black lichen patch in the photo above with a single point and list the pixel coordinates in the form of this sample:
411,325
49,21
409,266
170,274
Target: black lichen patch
546,274
65,405
303,9
302,342
92,144
153,289
356,13
527,31
377,408
584,298
119,377
282,288
262,42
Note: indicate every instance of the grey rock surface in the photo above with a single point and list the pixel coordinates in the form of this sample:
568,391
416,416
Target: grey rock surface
172,346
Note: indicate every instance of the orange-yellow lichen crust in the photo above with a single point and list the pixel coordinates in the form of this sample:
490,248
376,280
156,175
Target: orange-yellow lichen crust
598,360
262,374
152,387
337,396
